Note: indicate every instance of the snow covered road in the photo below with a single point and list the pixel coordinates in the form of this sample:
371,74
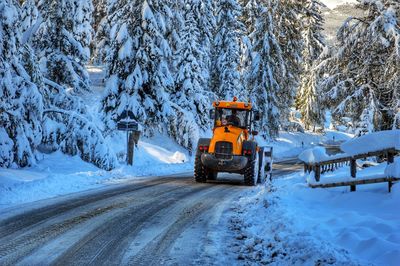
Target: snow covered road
164,220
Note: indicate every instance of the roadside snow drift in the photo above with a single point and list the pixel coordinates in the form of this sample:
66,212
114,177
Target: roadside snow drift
318,154
59,174
291,224
373,142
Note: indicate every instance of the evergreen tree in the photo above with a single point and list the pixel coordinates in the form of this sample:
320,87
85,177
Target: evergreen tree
250,11
203,14
62,42
361,78
189,92
67,125
190,99
288,29
138,73
309,99
267,61
29,17
99,12
275,69
227,79
20,101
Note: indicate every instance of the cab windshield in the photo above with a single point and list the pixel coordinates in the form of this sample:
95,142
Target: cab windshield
234,117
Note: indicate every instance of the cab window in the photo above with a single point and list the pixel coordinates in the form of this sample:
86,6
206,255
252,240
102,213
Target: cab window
234,117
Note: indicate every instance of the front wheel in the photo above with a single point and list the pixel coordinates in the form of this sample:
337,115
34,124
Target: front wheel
200,174
251,172
212,175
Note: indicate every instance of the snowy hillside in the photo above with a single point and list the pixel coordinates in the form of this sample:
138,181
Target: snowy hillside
335,17
331,4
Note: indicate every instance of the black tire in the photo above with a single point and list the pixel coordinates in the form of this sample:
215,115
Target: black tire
200,174
212,175
261,171
251,172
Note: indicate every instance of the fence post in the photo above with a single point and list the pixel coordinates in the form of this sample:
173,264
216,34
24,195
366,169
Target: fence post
353,171
317,172
390,157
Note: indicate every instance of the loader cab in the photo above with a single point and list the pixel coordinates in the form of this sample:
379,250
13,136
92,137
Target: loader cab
232,117
233,113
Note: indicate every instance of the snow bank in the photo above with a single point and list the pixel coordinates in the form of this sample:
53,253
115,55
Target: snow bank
291,224
372,142
318,154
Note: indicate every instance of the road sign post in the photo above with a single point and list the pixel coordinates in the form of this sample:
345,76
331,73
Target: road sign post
127,123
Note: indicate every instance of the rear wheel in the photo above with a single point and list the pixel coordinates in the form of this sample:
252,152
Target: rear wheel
200,174
251,172
212,175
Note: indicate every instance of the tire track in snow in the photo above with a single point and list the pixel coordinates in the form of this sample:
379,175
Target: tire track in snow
14,249
40,215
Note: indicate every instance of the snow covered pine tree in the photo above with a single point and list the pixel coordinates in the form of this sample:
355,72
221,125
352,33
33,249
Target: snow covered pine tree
62,42
274,72
66,124
137,70
190,96
226,76
308,100
362,78
21,104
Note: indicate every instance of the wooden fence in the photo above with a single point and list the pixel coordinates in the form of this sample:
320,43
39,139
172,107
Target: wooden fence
331,165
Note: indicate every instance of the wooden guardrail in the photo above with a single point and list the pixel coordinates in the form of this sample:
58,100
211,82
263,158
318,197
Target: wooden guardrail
331,165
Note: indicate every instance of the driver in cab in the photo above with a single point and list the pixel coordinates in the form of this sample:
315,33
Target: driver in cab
233,119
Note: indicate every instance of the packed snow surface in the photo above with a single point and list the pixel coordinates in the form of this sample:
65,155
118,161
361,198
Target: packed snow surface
373,142
290,224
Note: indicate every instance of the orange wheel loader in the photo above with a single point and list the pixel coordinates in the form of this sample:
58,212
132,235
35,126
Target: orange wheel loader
232,148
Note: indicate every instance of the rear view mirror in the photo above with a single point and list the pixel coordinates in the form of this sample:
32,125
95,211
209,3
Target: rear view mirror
212,114
257,116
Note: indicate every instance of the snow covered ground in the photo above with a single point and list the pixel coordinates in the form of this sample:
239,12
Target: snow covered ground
59,174
286,222
290,224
